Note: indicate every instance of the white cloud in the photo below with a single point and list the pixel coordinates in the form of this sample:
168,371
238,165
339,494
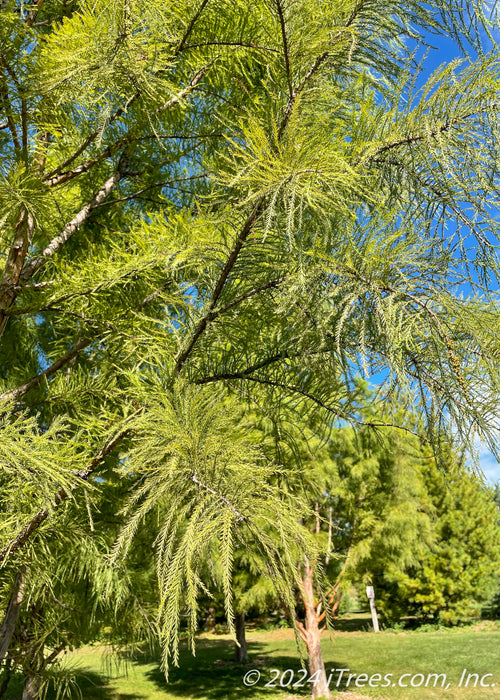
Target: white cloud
489,465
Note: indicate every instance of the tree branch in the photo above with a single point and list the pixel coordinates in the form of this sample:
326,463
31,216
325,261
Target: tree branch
79,346
13,267
32,526
150,187
4,94
52,369
239,516
72,226
68,175
244,374
416,138
340,414
215,313
57,177
12,613
190,26
294,95
284,38
242,44
32,14
202,324
90,139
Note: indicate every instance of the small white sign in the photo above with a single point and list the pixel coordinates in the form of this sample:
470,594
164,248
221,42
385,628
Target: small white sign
370,592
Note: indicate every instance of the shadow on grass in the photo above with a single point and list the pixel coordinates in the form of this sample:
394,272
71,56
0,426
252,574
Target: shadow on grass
213,674
95,686
361,624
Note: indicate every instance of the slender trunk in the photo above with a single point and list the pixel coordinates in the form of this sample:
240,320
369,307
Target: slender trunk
35,661
15,261
241,654
210,621
32,687
33,679
330,527
12,613
312,636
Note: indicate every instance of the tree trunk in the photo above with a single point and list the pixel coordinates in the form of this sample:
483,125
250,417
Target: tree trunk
12,613
32,673
32,687
15,261
241,654
312,637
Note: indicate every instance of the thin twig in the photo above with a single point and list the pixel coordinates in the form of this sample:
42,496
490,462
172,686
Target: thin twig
190,26
52,369
239,516
284,38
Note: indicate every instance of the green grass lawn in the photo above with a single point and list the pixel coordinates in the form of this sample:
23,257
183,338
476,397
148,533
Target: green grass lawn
212,675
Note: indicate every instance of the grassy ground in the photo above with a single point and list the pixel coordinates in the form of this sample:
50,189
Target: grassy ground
212,675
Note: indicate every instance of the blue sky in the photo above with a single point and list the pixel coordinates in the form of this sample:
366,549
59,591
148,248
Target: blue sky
443,51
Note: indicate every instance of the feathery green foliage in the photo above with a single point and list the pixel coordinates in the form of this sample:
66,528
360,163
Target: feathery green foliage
254,202
454,577
211,489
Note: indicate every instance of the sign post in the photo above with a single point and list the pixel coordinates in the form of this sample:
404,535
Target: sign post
371,597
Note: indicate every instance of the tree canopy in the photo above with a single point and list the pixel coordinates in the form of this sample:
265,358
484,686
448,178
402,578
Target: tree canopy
212,204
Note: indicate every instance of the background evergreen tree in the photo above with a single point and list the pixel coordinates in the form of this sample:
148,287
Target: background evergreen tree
458,573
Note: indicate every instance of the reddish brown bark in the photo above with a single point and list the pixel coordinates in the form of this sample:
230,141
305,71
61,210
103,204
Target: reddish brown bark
14,265
12,613
311,634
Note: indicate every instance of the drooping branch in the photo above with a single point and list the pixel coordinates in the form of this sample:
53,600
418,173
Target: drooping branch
343,415
82,475
450,346
446,199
